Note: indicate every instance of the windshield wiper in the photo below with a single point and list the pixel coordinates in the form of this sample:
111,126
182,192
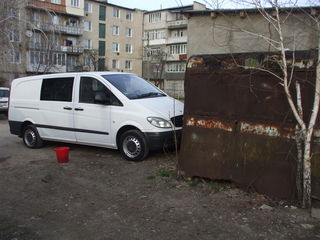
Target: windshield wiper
150,94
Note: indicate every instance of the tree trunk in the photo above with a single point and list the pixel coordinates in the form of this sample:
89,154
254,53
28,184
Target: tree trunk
306,200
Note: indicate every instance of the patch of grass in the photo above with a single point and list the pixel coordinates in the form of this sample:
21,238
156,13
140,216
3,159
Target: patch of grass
163,172
151,177
194,183
219,186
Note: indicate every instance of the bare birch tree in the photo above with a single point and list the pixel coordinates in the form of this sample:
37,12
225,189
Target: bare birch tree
10,35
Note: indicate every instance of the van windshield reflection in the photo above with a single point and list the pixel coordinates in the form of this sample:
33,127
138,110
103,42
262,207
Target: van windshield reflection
133,87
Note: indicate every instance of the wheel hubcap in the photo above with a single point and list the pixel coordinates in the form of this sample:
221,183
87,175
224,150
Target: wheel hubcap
30,138
131,146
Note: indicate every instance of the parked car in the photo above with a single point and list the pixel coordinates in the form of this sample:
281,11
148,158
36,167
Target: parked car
4,98
114,110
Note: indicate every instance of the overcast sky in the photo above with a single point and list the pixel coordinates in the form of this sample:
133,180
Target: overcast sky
158,4
150,4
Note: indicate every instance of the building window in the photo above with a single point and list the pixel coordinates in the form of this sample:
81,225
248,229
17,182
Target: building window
176,67
35,17
75,3
15,57
115,64
14,36
87,43
102,30
101,64
15,12
102,13
155,51
128,65
115,30
87,26
115,47
129,16
128,32
155,34
154,17
56,1
87,61
37,57
88,7
128,48
178,49
178,33
116,12
55,20
102,48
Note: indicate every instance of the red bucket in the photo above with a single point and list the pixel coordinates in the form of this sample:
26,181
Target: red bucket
62,154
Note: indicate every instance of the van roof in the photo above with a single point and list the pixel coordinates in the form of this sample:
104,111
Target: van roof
70,74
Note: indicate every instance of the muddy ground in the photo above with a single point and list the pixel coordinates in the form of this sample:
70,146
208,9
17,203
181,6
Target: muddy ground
98,195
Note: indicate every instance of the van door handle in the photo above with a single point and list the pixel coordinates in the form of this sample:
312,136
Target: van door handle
67,108
78,109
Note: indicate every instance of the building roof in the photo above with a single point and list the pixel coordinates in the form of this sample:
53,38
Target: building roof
247,10
105,2
186,7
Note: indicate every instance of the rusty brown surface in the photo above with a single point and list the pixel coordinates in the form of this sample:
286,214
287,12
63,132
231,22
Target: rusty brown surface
238,125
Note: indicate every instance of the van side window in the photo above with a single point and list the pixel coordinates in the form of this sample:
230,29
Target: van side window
88,88
57,89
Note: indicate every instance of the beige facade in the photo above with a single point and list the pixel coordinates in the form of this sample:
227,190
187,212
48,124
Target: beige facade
245,31
165,47
115,35
75,7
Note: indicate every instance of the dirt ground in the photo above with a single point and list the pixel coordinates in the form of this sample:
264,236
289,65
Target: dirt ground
98,195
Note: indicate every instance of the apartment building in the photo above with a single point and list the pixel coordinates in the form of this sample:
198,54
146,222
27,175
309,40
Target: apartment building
112,37
165,47
54,30
12,51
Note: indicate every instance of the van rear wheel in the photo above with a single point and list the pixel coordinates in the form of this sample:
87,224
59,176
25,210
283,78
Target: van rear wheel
133,145
31,137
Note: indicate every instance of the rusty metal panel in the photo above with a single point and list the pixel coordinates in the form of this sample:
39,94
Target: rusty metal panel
238,125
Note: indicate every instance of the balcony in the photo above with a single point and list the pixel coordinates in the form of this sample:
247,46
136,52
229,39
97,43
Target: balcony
59,48
178,24
46,5
48,27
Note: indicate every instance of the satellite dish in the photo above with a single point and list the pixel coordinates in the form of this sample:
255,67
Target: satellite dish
29,33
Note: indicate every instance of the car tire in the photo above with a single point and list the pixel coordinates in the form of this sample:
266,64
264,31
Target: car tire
133,145
31,137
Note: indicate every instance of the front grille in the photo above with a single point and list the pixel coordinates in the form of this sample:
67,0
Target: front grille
177,121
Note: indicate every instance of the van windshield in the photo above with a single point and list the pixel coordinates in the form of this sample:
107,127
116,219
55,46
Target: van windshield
4,93
133,87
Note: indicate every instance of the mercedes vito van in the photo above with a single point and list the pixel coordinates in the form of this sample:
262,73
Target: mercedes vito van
4,98
114,110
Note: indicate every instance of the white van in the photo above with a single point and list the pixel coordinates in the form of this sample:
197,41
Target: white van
4,97
113,110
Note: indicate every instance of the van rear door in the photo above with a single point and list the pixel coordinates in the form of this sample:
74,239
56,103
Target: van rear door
56,109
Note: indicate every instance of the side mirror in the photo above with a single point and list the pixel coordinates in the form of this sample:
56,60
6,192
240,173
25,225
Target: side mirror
101,98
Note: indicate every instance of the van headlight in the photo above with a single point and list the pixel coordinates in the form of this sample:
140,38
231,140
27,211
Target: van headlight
159,122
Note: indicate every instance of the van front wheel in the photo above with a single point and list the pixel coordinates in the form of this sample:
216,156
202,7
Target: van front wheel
31,137
133,145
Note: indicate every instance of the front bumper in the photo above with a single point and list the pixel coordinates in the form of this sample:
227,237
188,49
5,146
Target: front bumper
161,140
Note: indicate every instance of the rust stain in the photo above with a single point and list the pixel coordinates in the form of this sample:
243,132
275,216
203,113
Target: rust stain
249,128
213,124
266,130
195,62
